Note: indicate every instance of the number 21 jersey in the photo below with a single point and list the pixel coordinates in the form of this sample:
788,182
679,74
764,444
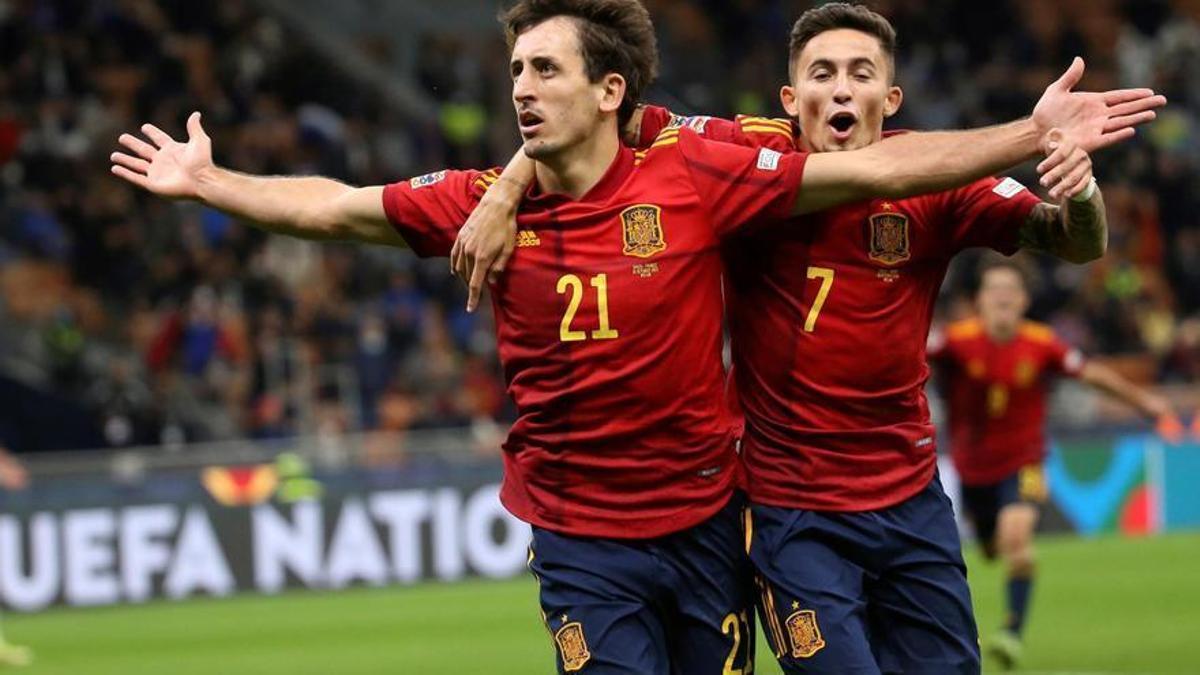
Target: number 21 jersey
609,325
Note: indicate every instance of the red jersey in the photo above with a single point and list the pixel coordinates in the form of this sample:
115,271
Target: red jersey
609,325
828,320
996,395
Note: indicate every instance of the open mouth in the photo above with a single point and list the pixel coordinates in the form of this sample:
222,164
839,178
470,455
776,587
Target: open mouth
842,124
529,122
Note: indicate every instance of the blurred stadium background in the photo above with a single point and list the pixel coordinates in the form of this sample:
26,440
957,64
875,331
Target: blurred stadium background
206,411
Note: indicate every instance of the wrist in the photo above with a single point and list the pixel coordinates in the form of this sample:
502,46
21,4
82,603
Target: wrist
1031,137
1087,193
507,192
207,181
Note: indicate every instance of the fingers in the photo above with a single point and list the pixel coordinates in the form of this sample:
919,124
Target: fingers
158,136
1075,182
1136,105
1071,77
1072,164
501,262
133,163
137,179
194,129
1059,152
1116,96
475,286
455,252
1112,138
137,146
1130,121
1068,174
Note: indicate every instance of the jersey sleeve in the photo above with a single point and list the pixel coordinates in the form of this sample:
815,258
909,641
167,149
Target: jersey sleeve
753,132
1064,359
429,210
989,213
741,186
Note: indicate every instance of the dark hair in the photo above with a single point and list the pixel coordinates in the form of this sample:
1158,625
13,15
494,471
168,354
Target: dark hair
615,36
835,15
1018,265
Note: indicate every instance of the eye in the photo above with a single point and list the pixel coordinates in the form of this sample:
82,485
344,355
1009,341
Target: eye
547,69
863,76
822,75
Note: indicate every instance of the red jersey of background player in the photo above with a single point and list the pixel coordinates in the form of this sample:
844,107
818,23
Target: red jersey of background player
996,394
609,330
828,320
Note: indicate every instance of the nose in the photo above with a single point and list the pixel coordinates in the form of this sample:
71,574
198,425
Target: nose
841,93
522,87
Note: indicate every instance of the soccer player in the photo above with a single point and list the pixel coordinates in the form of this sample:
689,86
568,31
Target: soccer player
854,540
995,372
609,320
13,476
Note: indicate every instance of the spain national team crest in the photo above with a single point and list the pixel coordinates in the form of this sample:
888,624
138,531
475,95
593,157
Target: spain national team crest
642,228
572,646
805,634
889,236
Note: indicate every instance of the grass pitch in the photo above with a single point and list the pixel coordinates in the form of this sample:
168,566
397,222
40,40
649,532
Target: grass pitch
1101,606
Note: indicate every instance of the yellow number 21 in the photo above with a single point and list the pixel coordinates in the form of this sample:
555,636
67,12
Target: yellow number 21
826,276
574,285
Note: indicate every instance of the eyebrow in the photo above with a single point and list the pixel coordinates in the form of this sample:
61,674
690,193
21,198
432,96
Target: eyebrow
854,63
535,61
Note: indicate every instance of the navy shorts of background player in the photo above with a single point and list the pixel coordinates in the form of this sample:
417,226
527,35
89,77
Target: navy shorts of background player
982,503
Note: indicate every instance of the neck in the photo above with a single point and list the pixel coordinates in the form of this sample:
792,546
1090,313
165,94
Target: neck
576,170
1000,331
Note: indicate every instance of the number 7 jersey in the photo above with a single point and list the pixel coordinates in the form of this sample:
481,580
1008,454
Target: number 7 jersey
828,318
609,325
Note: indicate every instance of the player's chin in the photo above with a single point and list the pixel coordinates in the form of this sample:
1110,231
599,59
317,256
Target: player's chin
539,148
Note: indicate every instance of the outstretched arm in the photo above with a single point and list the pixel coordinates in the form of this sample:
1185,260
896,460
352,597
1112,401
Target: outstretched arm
918,163
1111,382
309,207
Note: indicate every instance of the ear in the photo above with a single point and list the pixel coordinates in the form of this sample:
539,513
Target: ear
891,104
787,96
612,92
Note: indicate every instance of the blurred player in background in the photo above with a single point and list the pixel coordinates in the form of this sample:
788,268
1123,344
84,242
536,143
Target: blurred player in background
995,372
13,476
855,542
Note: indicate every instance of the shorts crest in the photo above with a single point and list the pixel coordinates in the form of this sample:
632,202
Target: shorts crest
642,230
805,634
889,236
572,646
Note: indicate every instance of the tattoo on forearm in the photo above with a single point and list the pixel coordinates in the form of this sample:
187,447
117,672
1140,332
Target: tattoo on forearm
1080,234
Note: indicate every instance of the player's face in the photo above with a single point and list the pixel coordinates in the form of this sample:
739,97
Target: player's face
558,107
841,91
1002,297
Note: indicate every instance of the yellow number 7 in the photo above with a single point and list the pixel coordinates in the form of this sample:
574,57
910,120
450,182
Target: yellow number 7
826,276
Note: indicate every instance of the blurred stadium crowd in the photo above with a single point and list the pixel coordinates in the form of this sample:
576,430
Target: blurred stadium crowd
126,320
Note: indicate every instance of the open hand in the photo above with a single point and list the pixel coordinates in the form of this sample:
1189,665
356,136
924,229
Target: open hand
1094,120
163,165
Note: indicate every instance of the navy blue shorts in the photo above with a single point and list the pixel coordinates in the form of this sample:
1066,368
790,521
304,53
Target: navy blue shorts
682,604
874,592
982,503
